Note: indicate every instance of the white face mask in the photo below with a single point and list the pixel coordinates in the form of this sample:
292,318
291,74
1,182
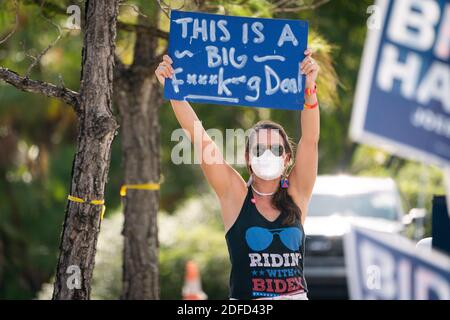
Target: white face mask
267,166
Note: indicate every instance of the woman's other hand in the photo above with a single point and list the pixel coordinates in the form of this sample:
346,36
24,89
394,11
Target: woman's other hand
164,69
310,68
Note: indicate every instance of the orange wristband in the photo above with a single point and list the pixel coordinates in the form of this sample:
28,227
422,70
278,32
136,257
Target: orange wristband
311,106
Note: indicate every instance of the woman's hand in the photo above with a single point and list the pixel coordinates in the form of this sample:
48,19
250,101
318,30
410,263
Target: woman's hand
310,68
165,69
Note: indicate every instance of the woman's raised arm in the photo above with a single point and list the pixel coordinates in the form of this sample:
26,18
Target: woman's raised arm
220,175
304,173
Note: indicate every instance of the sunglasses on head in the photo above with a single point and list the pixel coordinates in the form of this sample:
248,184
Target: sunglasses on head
259,238
259,149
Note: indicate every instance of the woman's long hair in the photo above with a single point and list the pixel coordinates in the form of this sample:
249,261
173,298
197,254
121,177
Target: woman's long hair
281,199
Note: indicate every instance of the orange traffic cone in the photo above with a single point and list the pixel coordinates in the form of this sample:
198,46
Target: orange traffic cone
192,288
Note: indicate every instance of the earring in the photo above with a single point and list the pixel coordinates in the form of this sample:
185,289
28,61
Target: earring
284,183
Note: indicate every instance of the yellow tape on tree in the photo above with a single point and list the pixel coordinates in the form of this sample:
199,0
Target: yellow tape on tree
94,202
142,186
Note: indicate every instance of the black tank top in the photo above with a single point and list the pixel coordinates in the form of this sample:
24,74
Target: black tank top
266,257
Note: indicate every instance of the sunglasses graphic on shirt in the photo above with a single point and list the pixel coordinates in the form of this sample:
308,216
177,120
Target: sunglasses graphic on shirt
261,238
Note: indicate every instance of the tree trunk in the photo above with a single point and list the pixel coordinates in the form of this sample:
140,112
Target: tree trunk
138,97
97,128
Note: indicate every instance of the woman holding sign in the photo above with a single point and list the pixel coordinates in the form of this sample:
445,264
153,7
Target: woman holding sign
264,217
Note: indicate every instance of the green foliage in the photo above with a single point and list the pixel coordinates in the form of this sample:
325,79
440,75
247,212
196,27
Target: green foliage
194,233
342,25
31,215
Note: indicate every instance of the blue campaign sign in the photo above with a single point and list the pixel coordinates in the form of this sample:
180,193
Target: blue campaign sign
402,102
440,224
237,60
382,266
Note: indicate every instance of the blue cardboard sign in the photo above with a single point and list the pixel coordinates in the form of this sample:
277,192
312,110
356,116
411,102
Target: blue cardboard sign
402,102
237,60
382,266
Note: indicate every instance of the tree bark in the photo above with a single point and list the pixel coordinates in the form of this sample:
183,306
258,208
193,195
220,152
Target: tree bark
138,98
96,131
